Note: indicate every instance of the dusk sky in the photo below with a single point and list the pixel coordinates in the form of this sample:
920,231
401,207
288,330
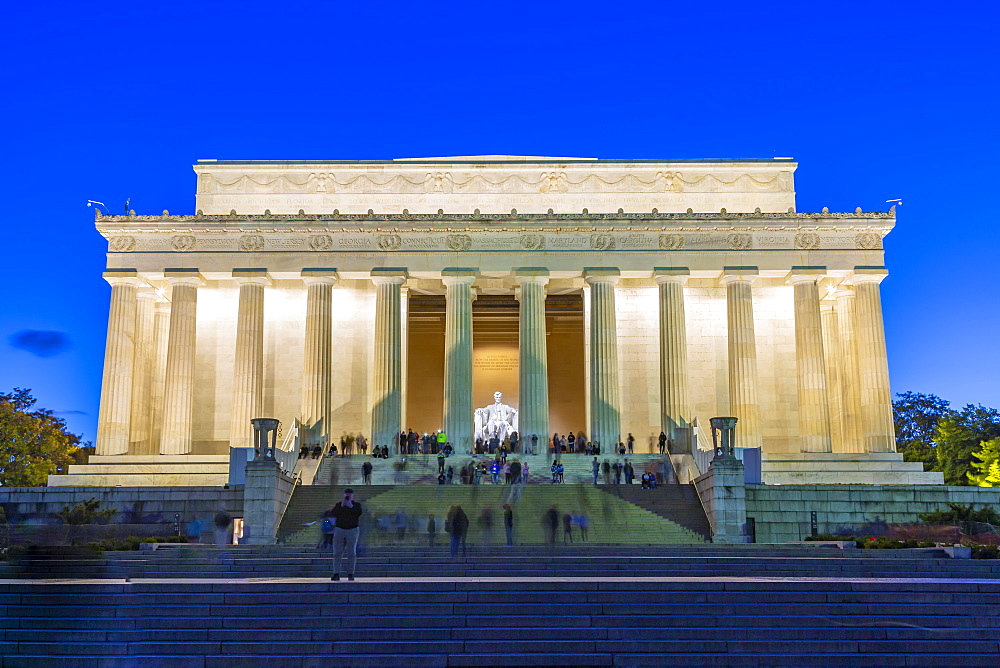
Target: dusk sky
876,101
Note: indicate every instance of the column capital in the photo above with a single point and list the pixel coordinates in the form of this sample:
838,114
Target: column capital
319,276
805,275
593,275
739,274
869,275
147,293
251,277
389,275
679,275
537,278
458,276
127,277
458,279
189,277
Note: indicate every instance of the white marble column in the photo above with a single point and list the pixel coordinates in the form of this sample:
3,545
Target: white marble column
605,411
161,332
675,406
317,372
178,391
743,398
457,408
386,395
140,428
814,411
533,362
831,356
873,363
119,354
248,365
850,374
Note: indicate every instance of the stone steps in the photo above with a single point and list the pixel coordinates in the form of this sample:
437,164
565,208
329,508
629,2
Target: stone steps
509,621
612,519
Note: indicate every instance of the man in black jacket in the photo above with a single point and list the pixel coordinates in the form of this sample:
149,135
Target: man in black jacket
347,513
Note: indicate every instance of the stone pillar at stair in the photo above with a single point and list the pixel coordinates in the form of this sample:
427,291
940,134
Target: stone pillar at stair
850,375
140,426
457,407
533,363
316,366
605,412
387,395
814,410
873,363
178,391
743,397
248,366
675,406
119,355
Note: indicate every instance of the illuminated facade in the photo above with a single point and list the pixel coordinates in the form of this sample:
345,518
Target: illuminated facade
608,296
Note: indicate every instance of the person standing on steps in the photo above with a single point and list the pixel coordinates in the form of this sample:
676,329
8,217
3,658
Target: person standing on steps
457,524
629,472
606,470
366,473
550,523
441,458
347,514
431,530
596,466
662,442
508,524
631,443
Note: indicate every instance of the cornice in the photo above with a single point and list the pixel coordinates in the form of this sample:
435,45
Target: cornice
507,222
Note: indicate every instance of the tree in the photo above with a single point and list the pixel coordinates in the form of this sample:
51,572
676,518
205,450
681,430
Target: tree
988,466
33,443
916,417
85,512
958,437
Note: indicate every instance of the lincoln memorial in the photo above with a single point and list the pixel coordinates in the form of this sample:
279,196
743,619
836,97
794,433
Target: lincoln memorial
604,296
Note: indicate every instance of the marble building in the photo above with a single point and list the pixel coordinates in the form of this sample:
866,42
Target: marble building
609,296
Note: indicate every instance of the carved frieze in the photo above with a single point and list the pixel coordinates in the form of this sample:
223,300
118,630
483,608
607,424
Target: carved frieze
602,242
671,242
739,241
458,242
388,242
251,243
183,242
122,244
869,241
532,242
320,242
807,240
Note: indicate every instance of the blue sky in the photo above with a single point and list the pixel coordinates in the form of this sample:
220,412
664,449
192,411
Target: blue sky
875,101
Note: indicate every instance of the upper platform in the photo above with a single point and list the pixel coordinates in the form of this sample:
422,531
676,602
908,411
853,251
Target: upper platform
495,184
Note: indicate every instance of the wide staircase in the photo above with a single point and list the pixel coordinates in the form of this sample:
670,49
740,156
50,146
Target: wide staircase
579,605
612,519
423,469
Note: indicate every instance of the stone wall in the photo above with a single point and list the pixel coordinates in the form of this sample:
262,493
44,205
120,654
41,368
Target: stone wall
781,512
135,505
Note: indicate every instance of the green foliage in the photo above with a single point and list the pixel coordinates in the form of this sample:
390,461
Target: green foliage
874,543
959,436
988,466
985,551
960,513
33,443
85,512
916,418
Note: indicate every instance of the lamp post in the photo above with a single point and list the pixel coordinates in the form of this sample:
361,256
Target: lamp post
727,426
263,447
